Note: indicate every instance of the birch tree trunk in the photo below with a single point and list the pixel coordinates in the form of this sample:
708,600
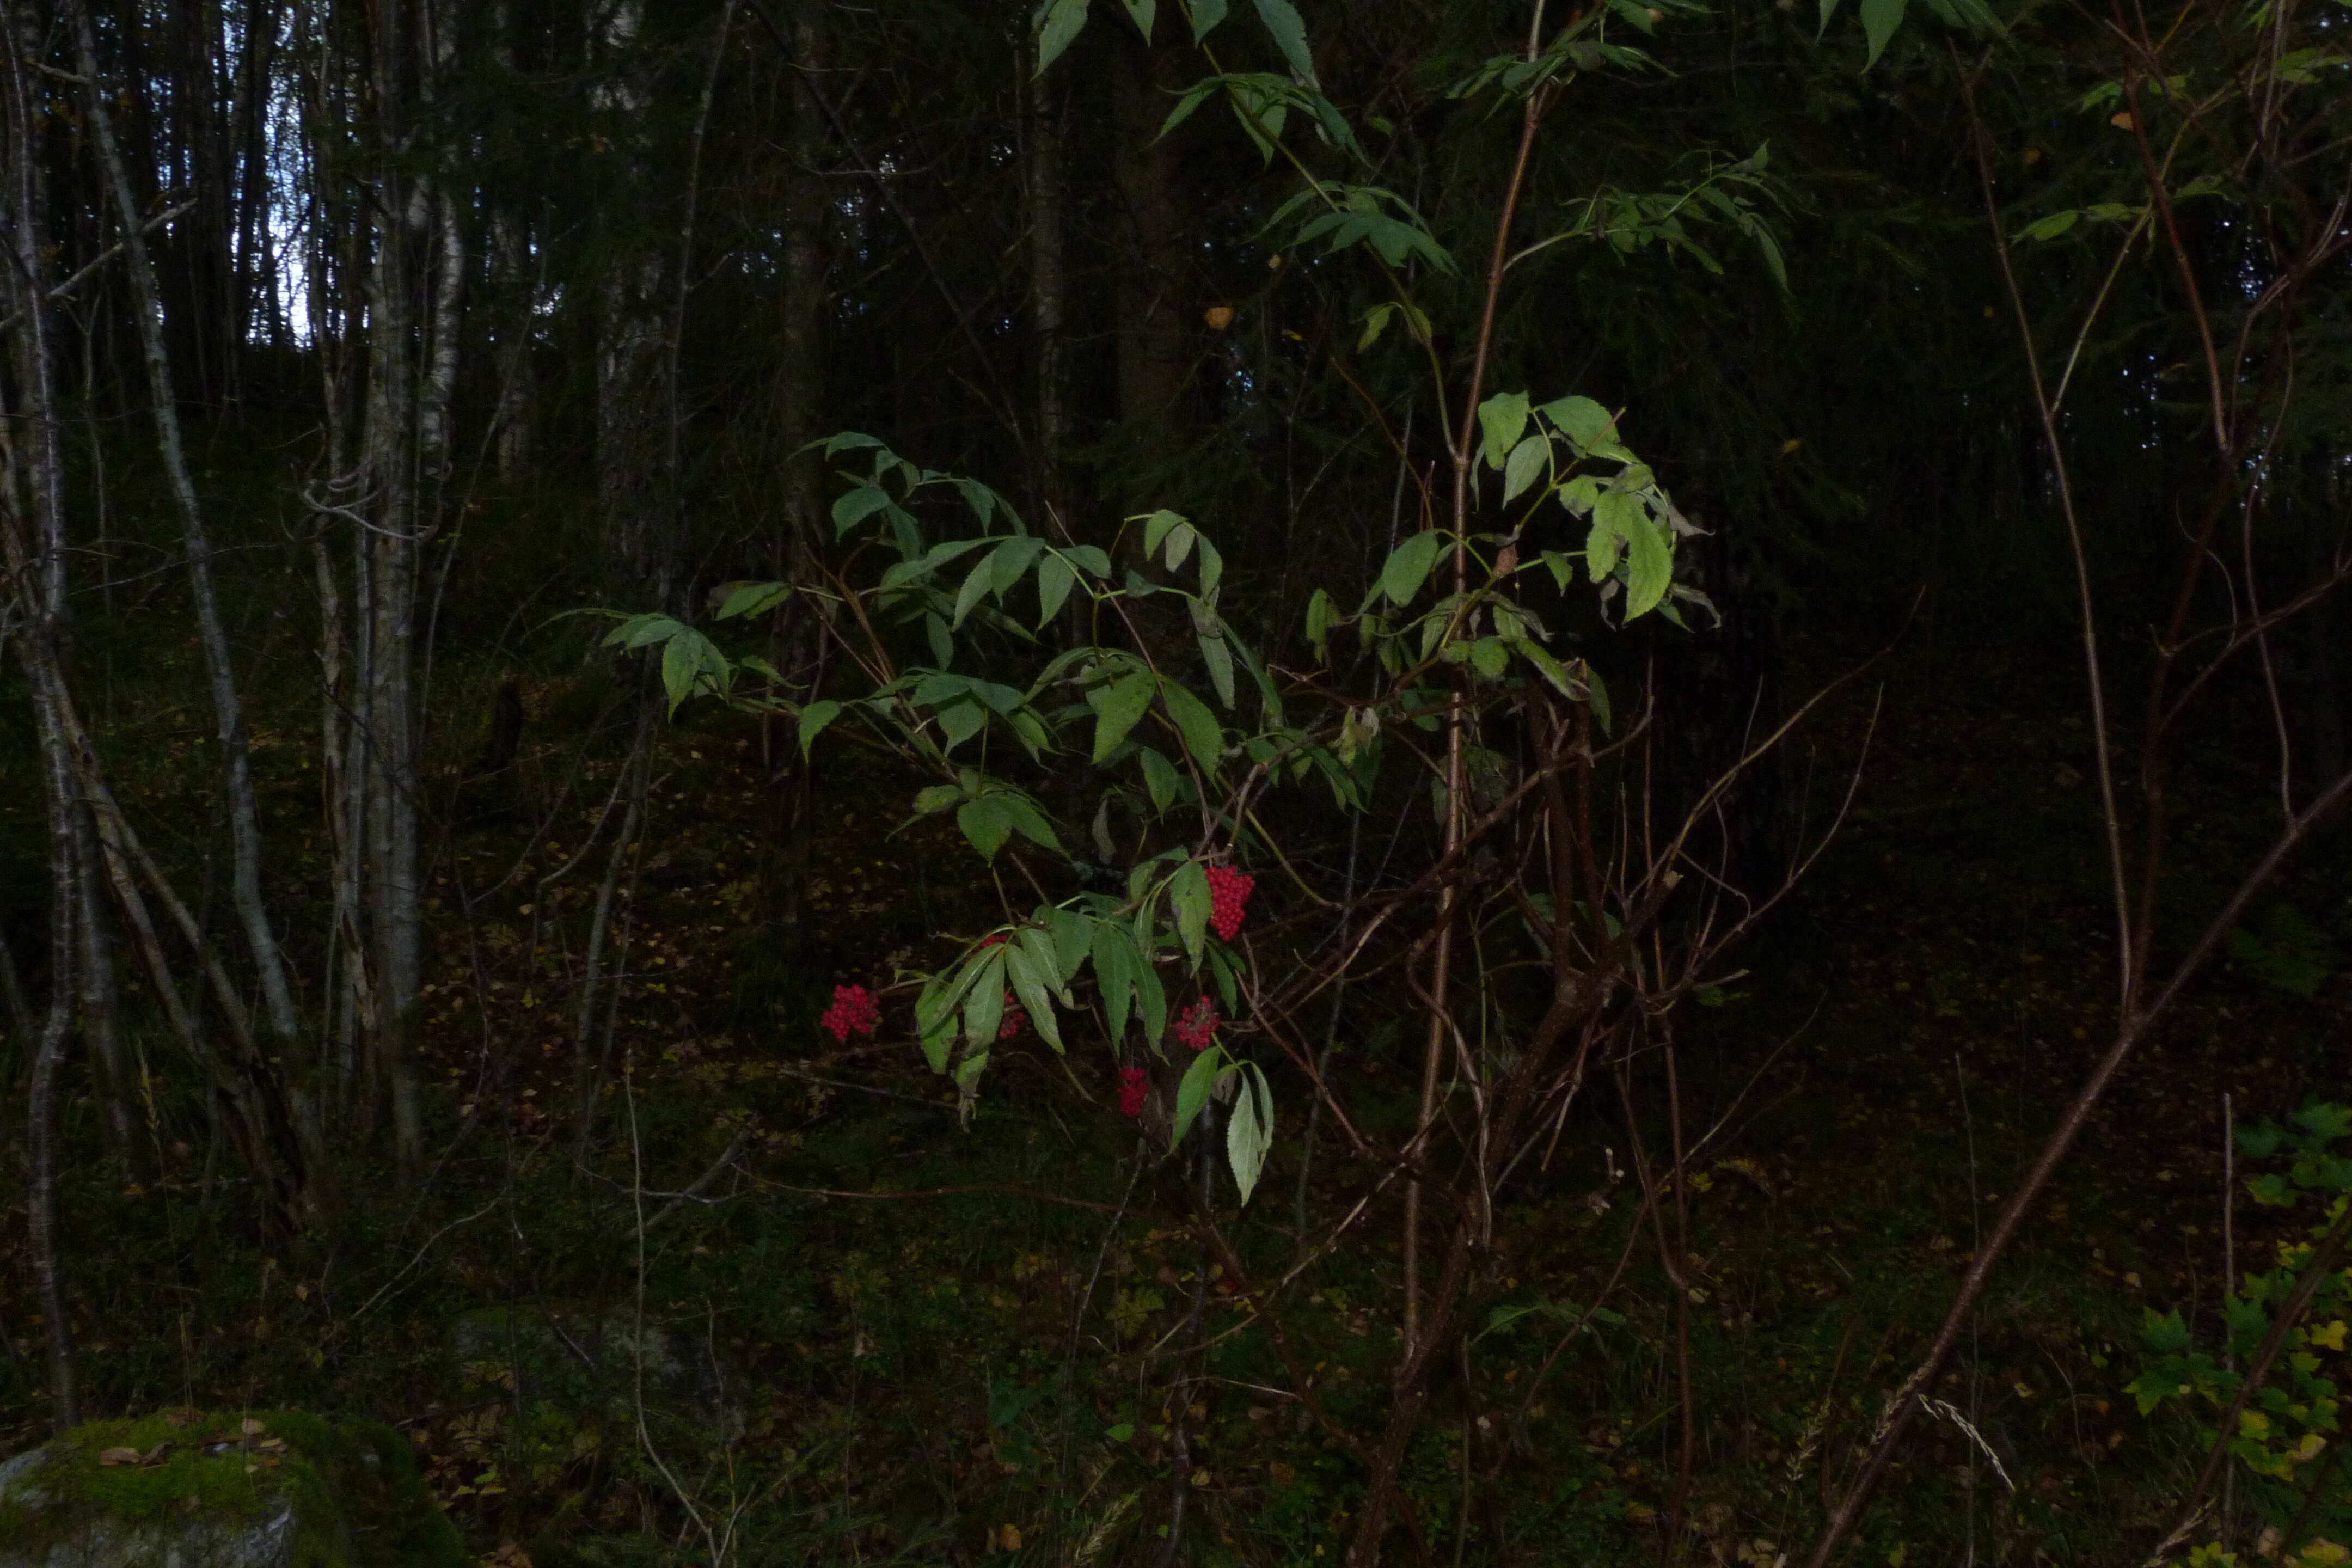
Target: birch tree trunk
228,710
37,578
629,359
417,271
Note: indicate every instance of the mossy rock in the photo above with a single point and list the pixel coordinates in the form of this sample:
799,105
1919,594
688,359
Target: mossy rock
278,1489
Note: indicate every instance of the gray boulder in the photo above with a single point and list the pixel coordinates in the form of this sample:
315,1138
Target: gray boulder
237,1489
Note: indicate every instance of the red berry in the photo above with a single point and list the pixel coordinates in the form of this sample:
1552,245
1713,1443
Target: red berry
1197,1024
1131,1092
1229,892
1015,1020
853,1012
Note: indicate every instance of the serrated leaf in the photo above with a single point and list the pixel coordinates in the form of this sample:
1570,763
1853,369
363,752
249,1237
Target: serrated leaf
1198,728
1249,1131
1119,706
853,507
1408,566
1211,568
754,599
1115,963
1160,777
1150,996
1584,421
1282,20
1321,612
1022,967
690,663
960,721
1180,539
1030,822
935,1022
640,630
983,999
1219,660
986,823
1206,14
1648,564
977,583
936,798
1501,420
1055,578
1601,548
1072,933
1058,23
1155,528
813,719
1880,18
1525,465
1192,1091
1190,900
1011,561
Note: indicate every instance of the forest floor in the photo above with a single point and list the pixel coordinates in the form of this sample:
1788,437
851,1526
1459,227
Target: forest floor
881,1332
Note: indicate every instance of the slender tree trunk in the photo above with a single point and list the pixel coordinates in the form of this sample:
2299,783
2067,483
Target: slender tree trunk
413,299
36,575
101,1003
799,400
228,710
1152,288
1048,193
629,357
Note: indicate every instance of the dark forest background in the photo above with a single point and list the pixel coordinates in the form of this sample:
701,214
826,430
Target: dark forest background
1780,996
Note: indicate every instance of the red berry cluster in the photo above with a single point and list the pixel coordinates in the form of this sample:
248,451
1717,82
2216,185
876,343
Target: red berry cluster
1197,1024
1131,1092
1229,892
1015,1020
853,1012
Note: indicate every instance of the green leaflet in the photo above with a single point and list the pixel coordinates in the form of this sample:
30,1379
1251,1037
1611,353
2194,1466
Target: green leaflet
1160,777
856,506
1058,22
1219,660
977,583
986,823
1879,20
1155,528
1192,1091
1194,724
813,719
1115,961
983,1000
1055,576
1189,900
1071,931
1407,567
1249,1131
1525,465
1282,20
1011,561
1118,707
1585,422
1501,418
1022,966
